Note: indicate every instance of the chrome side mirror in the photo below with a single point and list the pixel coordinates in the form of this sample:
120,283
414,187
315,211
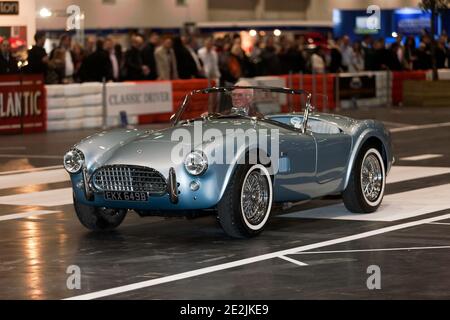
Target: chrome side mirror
308,110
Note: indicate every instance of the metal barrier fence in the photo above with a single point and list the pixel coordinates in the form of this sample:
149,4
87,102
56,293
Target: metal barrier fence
98,105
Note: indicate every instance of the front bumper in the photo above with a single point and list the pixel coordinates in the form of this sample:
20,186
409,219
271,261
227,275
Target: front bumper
178,196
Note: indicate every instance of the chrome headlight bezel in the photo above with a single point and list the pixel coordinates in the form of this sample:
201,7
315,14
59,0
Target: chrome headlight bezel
74,161
196,163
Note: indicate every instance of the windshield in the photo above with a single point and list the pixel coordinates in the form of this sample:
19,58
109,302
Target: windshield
241,102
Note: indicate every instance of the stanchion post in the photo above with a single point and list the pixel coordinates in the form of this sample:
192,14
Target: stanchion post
338,93
325,91
314,87
302,86
104,105
290,85
389,88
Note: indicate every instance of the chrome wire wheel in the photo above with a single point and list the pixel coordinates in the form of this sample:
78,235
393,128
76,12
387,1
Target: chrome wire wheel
372,177
256,197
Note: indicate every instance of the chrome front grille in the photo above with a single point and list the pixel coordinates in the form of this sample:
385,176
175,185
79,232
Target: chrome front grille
129,178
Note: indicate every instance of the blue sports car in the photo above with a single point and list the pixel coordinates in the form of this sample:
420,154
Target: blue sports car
233,152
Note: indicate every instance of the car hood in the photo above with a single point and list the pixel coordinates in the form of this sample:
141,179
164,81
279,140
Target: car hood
155,148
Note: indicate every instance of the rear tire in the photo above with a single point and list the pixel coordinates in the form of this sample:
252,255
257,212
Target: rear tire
366,187
246,205
99,219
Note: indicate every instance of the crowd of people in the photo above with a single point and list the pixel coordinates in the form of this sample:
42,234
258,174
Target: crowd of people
183,57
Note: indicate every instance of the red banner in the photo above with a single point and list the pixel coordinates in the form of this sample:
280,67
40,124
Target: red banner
23,104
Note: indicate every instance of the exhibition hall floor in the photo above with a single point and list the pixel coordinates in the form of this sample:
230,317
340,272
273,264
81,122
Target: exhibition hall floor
316,250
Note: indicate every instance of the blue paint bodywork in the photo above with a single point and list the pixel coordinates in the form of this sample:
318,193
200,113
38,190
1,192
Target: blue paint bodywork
311,164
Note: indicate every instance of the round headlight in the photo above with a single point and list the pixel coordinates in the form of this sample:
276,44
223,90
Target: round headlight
74,161
196,163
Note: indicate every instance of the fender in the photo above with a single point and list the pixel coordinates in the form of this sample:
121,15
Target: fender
363,137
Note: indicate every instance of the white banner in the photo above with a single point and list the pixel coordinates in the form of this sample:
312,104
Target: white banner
139,98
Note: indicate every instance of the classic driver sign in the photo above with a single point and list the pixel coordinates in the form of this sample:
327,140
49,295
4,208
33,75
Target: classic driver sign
23,106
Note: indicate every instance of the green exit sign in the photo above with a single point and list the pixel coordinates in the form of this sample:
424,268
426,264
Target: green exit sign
9,7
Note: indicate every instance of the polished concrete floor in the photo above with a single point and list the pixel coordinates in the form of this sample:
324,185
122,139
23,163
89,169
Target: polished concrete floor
313,251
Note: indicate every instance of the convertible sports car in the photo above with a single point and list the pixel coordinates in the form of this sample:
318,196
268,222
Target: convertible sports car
252,149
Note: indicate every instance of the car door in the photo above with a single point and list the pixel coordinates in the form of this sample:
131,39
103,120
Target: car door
333,152
296,178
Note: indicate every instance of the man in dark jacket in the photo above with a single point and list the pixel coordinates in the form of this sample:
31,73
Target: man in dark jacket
8,63
148,55
134,66
37,56
97,66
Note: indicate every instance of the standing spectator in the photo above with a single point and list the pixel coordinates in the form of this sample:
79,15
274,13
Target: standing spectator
148,55
347,52
8,63
56,67
270,59
441,52
210,60
291,59
113,59
97,66
118,51
357,58
410,53
134,67
189,44
186,66
166,62
37,57
318,64
335,57
394,63
69,66
91,42
380,56
78,57
423,61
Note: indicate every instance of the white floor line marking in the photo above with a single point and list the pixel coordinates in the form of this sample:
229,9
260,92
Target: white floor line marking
299,263
30,170
421,127
404,173
25,215
50,198
243,262
29,156
375,250
422,157
441,224
33,178
396,124
395,207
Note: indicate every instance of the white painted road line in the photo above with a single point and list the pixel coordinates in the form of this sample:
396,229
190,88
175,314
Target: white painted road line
400,174
421,127
375,250
30,170
422,157
25,215
298,263
33,178
28,156
441,224
395,207
51,198
243,262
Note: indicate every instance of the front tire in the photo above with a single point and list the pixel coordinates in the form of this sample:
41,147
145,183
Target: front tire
98,219
365,191
246,205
